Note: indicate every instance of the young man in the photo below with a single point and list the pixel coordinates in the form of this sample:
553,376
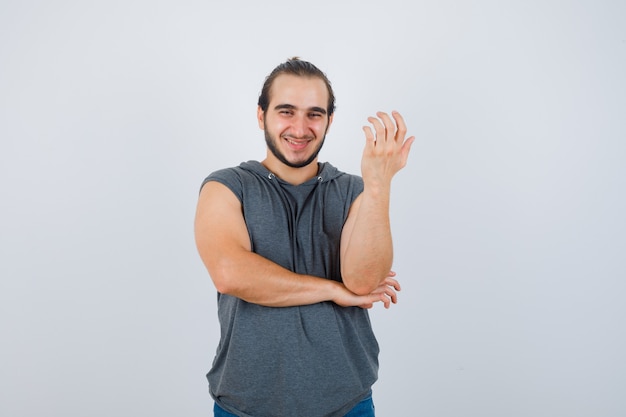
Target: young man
298,252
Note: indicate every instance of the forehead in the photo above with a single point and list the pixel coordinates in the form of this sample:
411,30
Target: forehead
303,92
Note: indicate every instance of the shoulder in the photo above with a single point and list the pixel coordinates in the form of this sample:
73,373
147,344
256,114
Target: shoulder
227,174
238,179
230,177
350,179
349,183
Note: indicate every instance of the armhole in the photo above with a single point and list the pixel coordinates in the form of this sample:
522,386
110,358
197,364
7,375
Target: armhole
233,184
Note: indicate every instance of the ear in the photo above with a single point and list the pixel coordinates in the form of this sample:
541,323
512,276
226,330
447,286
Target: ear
330,120
260,116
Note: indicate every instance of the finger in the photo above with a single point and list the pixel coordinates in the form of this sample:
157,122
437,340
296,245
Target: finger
404,151
401,132
385,300
370,139
390,127
391,274
379,127
393,296
406,146
390,292
371,299
392,283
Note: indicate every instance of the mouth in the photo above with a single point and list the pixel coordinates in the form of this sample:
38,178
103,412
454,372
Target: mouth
297,144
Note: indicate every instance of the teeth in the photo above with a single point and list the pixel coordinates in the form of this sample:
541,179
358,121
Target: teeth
295,143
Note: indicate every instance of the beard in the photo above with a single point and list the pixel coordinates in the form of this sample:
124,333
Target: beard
271,145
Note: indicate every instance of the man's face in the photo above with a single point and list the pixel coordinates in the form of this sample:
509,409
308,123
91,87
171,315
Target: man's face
296,120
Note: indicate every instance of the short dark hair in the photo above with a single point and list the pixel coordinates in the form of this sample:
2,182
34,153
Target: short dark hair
295,66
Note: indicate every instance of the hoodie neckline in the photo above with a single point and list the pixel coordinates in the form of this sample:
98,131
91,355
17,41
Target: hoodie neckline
326,172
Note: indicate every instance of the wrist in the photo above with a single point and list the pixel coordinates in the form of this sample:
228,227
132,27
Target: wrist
334,290
377,188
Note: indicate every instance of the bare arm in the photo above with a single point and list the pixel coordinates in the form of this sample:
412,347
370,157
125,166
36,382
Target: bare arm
366,243
224,246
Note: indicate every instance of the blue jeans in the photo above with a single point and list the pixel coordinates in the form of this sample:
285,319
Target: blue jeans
363,409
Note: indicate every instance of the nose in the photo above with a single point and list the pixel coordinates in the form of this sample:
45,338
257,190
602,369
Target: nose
299,126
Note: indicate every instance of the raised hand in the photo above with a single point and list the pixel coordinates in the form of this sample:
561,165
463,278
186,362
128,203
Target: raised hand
386,148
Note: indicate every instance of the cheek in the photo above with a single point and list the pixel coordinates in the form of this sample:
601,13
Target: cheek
320,128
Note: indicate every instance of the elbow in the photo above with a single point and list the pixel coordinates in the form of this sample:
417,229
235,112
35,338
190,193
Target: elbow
227,272
362,289
222,279
361,284
226,286
364,281
221,285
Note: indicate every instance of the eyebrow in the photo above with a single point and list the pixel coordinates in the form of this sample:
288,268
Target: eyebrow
292,107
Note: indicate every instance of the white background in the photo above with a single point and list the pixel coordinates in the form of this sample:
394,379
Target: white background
508,221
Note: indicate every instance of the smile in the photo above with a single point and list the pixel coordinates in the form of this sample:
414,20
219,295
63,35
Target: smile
298,142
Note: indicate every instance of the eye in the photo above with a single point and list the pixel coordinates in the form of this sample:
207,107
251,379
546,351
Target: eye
315,115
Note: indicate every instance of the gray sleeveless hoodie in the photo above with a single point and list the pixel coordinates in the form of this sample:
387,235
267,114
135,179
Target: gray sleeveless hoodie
307,361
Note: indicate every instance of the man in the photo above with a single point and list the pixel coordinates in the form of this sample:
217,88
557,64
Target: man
298,252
